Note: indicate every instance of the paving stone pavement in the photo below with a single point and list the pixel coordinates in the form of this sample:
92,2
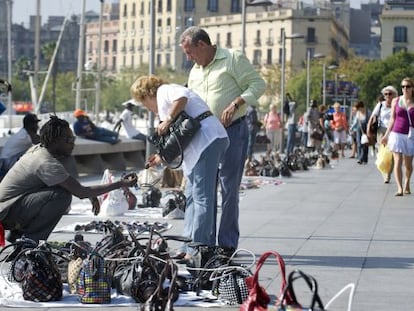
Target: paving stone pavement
341,224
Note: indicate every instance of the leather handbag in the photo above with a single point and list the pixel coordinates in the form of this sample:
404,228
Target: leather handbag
316,302
258,298
172,144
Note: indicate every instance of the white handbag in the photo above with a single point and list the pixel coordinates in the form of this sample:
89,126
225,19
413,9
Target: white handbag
364,139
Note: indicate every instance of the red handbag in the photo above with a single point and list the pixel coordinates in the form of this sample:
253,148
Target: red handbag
258,298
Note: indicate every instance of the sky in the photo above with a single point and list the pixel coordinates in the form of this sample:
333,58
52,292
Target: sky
22,9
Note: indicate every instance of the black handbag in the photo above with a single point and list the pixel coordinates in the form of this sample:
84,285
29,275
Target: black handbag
172,144
316,302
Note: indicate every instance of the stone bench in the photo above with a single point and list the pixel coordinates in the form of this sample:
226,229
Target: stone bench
93,157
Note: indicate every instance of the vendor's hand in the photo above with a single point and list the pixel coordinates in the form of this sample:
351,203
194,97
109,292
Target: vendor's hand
96,207
227,115
129,180
153,160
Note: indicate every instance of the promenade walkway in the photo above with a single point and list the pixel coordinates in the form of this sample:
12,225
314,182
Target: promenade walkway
341,224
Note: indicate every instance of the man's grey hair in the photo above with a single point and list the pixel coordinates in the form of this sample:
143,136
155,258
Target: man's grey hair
195,34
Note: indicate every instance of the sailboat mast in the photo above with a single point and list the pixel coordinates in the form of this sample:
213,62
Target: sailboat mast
80,56
9,57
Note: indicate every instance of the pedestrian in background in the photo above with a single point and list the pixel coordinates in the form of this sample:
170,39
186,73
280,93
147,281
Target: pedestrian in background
396,136
339,125
382,114
273,127
360,127
291,123
18,143
85,128
125,119
228,83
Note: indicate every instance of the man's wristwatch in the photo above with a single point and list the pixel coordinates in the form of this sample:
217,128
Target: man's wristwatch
235,105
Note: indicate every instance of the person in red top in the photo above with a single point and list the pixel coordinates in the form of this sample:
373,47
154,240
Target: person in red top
339,126
273,128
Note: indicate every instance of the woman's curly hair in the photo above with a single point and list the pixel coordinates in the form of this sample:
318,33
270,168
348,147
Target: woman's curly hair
146,86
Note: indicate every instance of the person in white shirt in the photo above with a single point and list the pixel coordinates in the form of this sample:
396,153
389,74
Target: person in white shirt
125,119
19,143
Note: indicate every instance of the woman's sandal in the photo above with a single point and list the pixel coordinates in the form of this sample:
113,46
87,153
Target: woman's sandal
407,191
398,194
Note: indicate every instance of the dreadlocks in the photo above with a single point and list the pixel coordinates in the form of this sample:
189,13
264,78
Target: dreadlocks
54,128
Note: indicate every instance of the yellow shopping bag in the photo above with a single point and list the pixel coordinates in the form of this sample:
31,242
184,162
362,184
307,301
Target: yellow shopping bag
384,159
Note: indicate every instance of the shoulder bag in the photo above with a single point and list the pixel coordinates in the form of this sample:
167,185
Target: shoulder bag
411,128
172,144
373,129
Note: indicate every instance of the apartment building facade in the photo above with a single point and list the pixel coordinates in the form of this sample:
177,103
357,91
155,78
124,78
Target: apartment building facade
171,17
317,31
397,19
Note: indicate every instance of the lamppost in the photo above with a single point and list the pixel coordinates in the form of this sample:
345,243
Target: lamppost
324,81
246,3
308,80
282,80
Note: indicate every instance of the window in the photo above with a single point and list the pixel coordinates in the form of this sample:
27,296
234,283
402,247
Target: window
114,45
169,9
311,52
106,46
188,21
400,34
398,49
228,40
235,6
133,9
141,10
310,36
113,63
269,57
158,60
132,61
218,39
212,6
257,57
90,47
159,6
189,5
169,21
159,22
257,41
125,11
280,55
168,59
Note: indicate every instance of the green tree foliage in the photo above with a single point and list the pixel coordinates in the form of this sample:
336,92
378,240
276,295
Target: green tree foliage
379,73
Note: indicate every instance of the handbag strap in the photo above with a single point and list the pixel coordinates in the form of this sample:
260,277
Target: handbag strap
283,291
311,283
409,119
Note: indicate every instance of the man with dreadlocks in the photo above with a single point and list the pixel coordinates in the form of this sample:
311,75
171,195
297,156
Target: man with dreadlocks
38,190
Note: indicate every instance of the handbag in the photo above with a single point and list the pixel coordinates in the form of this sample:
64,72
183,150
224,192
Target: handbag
38,274
258,298
163,298
172,144
316,302
317,133
364,139
410,128
94,282
229,281
373,129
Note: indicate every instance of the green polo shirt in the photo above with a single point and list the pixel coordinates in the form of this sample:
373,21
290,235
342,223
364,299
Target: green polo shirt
229,75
